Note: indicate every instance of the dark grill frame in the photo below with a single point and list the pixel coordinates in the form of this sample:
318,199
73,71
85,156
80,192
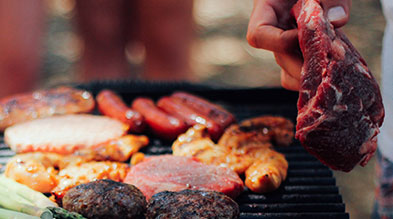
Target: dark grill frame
310,189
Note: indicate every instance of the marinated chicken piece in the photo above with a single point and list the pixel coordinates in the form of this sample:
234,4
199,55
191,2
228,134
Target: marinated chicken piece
38,170
245,148
267,172
44,103
120,149
50,172
197,143
80,172
274,129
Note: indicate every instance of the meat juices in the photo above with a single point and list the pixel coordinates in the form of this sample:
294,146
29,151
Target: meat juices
340,106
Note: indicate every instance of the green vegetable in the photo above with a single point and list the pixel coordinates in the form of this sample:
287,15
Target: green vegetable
27,203
21,191
8,214
60,213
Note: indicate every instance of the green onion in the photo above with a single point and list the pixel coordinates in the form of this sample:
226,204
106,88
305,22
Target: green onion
20,191
8,214
24,202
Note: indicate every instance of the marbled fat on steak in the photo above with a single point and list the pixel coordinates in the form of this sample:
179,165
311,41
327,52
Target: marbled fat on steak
340,107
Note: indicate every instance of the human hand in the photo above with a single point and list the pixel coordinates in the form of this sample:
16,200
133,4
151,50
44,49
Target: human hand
272,27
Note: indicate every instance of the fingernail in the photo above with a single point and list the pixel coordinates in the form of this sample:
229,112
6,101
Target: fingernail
336,13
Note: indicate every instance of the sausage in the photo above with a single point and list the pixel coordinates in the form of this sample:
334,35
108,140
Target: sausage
191,116
44,103
161,123
111,105
212,111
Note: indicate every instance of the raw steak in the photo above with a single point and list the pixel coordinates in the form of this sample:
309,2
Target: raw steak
172,173
340,107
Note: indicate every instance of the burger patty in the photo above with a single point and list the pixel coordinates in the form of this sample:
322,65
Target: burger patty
192,204
106,199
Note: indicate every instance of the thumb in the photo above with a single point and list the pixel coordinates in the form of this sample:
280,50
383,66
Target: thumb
337,11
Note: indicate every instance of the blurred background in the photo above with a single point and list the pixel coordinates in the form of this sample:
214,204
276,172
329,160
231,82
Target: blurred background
221,55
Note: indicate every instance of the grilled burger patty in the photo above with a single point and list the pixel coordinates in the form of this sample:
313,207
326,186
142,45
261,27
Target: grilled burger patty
106,199
192,204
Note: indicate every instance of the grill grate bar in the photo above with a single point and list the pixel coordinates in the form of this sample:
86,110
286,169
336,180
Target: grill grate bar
306,165
310,189
290,198
310,181
300,157
322,215
285,207
310,173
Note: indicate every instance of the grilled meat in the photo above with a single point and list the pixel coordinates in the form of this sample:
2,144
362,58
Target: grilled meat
274,129
106,199
50,172
192,204
197,143
171,173
44,103
63,134
245,148
111,105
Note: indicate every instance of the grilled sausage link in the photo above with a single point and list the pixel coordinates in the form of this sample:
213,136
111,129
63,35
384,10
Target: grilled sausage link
161,123
191,116
44,103
212,111
111,105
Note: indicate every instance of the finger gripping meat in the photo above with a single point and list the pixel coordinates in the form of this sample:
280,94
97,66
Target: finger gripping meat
44,103
160,122
191,116
110,104
340,106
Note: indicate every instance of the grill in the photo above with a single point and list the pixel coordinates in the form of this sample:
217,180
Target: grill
310,189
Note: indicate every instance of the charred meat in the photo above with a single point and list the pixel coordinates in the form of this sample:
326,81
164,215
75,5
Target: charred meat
192,204
106,199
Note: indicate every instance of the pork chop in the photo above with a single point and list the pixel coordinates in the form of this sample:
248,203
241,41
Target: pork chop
63,134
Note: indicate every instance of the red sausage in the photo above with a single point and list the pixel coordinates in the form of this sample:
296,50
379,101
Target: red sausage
176,107
160,122
212,111
111,105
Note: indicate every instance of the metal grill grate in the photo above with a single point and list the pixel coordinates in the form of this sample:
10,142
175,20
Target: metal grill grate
310,189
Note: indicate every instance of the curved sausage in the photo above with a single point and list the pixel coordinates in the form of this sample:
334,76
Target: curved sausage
111,105
191,116
44,103
211,110
161,123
